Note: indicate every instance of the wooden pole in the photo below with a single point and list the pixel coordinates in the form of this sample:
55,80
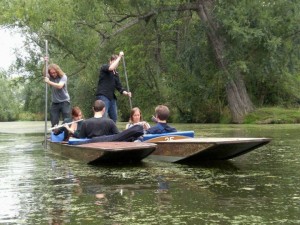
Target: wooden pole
46,93
124,65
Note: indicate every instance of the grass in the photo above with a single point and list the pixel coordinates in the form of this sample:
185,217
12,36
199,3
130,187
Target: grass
267,115
273,115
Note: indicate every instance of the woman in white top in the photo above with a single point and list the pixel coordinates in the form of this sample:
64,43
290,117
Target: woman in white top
136,118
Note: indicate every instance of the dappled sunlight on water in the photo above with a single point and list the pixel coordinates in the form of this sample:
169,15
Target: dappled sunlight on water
261,187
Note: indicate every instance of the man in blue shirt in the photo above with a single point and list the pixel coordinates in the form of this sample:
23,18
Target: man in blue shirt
162,113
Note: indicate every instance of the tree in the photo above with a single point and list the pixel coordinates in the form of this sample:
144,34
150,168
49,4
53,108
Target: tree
182,53
9,107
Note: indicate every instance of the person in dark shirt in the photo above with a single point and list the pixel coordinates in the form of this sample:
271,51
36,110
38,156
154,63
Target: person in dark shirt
109,81
72,126
98,125
103,129
162,113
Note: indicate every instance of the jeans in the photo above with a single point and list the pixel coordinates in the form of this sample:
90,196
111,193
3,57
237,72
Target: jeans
56,108
110,107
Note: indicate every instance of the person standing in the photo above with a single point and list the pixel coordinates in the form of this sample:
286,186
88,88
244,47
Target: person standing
109,81
60,97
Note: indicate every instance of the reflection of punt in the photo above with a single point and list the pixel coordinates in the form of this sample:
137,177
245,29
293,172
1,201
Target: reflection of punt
104,152
182,147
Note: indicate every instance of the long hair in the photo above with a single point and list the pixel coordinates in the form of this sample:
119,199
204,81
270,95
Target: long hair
133,110
56,68
76,111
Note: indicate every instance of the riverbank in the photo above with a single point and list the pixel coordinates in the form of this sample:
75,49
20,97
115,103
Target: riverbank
273,115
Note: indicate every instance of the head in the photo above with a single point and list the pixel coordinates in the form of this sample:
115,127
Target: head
135,115
98,106
113,58
76,113
162,112
54,71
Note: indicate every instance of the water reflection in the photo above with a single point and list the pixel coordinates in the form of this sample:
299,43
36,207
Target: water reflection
262,187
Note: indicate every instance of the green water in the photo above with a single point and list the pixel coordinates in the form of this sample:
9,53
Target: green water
261,187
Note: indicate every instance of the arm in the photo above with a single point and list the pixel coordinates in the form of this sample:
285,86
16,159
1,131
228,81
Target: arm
120,88
114,129
115,63
146,125
59,85
82,133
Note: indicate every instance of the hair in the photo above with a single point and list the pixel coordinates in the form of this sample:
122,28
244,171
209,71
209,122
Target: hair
133,110
76,111
113,57
57,69
98,105
162,112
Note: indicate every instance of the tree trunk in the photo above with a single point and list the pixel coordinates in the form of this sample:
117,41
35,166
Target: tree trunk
237,96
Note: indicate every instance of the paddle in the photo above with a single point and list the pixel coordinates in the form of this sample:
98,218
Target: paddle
62,125
130,103
46,94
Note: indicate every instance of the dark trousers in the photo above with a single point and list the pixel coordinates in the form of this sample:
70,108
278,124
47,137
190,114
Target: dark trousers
128,135
63,108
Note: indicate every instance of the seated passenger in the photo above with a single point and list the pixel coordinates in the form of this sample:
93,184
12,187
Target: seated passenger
73,129
162,113
98,125
103,129
137,119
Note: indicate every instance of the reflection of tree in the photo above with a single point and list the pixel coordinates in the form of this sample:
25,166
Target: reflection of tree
163,195
59,199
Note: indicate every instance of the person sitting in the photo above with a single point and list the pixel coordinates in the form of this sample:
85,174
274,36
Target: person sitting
162,113
72,127
137,119
103,129
98,125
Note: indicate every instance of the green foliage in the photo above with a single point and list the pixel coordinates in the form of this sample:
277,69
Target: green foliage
273,115
263,34
9,107
169,59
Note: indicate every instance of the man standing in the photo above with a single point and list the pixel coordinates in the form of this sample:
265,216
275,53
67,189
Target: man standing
109,81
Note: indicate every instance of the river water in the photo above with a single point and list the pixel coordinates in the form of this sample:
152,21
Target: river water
261,187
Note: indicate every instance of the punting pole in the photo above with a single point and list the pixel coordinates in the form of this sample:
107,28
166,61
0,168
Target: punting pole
124,65
46,94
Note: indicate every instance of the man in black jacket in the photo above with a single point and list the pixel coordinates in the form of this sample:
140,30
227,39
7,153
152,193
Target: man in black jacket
109,81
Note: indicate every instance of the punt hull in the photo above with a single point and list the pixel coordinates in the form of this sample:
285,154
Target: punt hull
200,149
104,152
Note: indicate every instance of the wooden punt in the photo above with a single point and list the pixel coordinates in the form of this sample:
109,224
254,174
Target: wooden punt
196,149
104,152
